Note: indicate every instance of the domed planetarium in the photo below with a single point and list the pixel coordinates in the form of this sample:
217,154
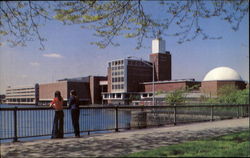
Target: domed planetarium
219,77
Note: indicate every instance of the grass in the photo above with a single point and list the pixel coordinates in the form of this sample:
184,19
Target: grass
233,145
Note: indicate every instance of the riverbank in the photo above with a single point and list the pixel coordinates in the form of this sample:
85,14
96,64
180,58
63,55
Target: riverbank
121,143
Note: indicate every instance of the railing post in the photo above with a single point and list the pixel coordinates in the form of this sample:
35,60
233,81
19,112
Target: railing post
174,115
238,111
116,118
15,125
212,113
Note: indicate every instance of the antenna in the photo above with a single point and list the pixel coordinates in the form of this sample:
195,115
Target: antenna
158,34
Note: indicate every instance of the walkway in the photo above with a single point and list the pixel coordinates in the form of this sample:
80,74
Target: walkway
120,143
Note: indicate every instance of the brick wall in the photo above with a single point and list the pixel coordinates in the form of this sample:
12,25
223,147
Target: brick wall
137,75
81,88
209,87
212,87
95,89
46,91
162,63
170,86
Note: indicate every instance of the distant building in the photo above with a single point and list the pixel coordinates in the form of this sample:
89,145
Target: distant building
219,77
132,79
168,86
87,88
25,95
2,98
161,60
126,75
124,78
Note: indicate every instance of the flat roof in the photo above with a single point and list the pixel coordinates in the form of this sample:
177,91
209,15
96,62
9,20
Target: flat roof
172,81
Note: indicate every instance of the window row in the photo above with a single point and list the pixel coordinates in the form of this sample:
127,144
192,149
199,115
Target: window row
20,89
117,73
18,95
119,86
21,100
114,63
20,92
118,68
118,79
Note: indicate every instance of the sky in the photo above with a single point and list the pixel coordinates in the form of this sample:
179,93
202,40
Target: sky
68,53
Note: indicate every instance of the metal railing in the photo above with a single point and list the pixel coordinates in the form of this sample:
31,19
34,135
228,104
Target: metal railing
38,121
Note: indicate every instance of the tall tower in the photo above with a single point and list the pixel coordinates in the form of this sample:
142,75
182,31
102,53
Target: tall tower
161,60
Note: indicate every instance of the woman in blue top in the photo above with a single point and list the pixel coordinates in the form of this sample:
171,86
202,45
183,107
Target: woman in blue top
73,104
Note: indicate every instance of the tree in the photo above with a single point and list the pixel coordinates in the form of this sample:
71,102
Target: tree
110,19
175,97
20,21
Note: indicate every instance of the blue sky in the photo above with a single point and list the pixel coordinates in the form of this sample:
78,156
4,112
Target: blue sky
69,54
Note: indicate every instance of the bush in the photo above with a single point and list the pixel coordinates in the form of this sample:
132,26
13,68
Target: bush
175,97
231,95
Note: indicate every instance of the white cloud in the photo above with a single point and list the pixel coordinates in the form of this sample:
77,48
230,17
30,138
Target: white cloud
34,64
53,55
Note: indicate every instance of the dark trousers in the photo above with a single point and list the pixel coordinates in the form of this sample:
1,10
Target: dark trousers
75,113
57,131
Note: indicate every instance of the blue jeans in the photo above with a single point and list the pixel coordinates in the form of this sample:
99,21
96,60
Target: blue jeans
57,131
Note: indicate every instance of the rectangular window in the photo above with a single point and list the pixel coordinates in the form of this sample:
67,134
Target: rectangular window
118,95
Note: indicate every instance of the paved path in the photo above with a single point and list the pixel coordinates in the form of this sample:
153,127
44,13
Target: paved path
120,143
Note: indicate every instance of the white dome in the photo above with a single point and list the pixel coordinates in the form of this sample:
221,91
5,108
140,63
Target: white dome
222,74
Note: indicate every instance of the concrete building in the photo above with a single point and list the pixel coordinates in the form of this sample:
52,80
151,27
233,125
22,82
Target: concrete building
219,77
25,95
124,78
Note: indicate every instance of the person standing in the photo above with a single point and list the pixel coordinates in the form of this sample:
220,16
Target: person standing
73,104
57,104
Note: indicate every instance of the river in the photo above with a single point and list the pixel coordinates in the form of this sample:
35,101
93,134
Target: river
33,123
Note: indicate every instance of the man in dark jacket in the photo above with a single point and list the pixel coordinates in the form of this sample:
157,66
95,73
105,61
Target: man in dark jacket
73,104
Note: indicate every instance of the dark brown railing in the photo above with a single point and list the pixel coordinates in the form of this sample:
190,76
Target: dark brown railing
37,121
